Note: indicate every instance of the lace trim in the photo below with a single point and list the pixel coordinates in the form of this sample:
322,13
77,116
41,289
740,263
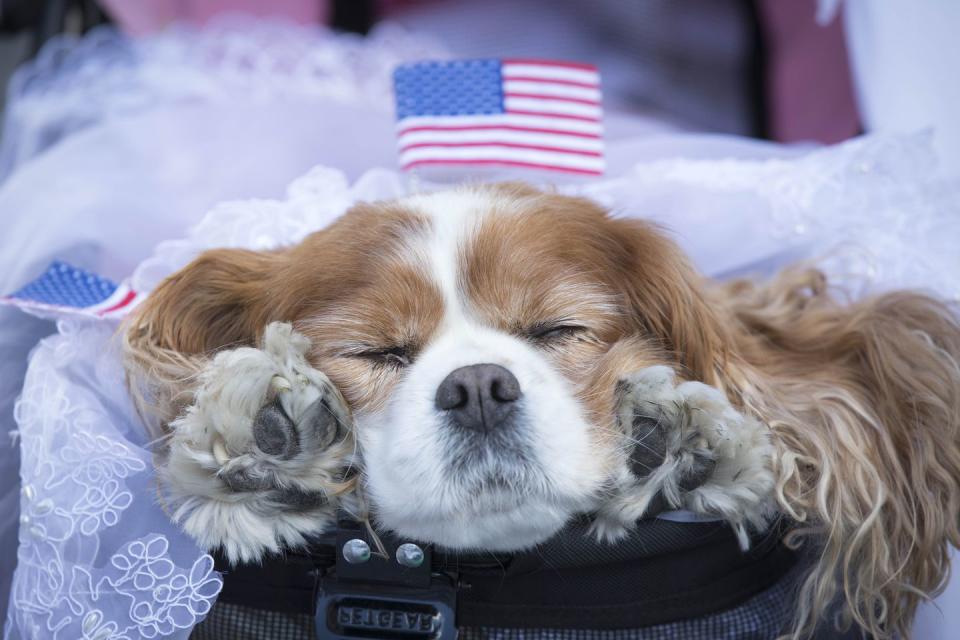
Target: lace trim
80,475
871,212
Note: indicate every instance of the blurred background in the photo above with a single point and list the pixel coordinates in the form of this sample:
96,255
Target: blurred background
789,71
774,69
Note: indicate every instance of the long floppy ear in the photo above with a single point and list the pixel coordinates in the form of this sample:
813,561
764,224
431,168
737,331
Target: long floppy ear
863,400
667,298
221,299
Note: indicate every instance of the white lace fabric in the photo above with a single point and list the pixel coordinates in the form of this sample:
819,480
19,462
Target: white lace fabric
312,202
95,558
98,556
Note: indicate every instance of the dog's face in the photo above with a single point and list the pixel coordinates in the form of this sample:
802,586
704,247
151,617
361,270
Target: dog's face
476,346
478,336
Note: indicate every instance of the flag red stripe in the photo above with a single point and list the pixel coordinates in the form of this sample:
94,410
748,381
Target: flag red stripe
507,163
511,145
541,114
499,127
592,103
569,83
127,299
551,63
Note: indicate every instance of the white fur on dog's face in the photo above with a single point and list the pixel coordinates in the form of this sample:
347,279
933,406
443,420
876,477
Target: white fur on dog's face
518,487
428,480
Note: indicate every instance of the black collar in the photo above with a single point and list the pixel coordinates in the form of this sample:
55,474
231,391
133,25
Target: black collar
664,571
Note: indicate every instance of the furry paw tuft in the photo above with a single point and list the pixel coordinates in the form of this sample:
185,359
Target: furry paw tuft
258,460
687,448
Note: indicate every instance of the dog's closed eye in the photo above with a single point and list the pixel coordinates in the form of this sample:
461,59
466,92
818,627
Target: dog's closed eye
396,356
552,333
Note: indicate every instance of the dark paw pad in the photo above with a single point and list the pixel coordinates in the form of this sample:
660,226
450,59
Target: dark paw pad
240,480
274,432
649,445
699,473
297,499
320,424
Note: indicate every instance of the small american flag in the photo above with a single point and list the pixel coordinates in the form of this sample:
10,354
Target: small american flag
64,289
535,114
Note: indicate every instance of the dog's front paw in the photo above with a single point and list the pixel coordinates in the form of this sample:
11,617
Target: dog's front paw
259,458
687,447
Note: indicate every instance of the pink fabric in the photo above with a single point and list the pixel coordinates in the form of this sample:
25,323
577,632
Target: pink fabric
147,16
809,88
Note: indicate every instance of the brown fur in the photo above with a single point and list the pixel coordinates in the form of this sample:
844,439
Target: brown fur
226,297
862,398
864,401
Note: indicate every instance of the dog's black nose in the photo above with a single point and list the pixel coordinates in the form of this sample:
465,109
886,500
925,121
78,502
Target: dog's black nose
479,396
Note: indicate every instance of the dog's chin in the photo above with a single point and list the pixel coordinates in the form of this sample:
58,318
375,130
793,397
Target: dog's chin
496,507
490,522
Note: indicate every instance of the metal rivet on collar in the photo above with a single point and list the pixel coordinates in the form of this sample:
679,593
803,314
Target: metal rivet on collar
356,551
410,555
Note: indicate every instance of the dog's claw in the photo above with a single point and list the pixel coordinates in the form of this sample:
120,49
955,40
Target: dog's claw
280,384
219,448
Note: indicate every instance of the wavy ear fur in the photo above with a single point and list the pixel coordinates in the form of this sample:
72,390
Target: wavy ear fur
666,295
863,400
220,299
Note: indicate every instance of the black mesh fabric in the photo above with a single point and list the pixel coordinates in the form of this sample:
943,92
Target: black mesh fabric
762,617
228,621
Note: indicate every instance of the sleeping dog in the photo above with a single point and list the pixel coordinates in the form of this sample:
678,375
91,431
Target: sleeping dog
472,368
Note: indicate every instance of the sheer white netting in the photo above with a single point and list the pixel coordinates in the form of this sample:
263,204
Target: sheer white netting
871,212
76,82
312,202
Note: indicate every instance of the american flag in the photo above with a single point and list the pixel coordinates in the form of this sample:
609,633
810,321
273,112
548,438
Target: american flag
536,114
64,289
